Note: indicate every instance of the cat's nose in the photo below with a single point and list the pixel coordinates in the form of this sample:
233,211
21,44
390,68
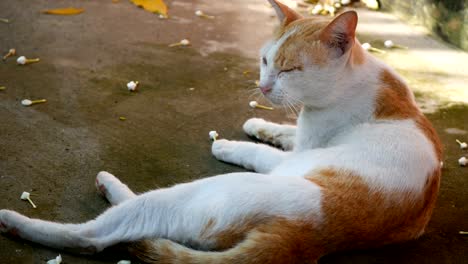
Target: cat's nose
265,89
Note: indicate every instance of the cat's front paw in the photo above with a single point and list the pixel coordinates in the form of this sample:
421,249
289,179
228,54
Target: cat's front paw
254,127
222,149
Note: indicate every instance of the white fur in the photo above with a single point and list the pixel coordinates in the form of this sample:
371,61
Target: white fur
268,73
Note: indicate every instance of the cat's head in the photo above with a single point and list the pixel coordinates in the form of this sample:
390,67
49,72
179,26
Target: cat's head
306,57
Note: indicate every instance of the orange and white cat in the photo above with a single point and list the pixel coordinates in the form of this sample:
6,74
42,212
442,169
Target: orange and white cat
361,169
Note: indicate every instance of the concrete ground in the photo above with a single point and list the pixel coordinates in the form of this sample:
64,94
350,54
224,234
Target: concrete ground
54,150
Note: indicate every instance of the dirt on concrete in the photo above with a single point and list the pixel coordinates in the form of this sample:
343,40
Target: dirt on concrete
54,150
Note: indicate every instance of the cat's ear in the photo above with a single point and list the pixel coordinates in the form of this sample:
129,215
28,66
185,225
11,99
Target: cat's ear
339,34
285,14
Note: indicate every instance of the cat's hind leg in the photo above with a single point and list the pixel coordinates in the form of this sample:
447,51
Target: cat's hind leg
63,236
112,189
195,213
80,238
116,224
276,134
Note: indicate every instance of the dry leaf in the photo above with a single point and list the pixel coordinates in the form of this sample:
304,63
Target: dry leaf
64,11
155,6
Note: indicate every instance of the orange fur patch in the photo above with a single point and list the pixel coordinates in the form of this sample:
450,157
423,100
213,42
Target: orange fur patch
148,252
307,26
280,241
232,235
394,101
427,128
277,241
304,42
358,217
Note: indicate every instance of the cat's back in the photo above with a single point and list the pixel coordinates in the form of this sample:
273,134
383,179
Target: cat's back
389,154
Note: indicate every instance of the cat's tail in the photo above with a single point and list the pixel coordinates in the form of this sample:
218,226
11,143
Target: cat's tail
257,248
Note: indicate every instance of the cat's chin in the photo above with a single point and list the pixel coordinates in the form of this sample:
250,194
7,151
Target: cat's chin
275,101
278,103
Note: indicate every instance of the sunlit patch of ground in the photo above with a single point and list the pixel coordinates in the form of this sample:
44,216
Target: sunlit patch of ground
435,71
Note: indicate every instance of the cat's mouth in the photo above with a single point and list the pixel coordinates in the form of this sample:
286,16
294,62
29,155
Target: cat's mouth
279,98
265,89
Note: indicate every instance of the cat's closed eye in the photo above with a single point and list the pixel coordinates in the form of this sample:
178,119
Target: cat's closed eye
298,68
264,61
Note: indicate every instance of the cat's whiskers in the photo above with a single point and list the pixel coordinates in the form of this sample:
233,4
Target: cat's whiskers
253,92
296,105
290,104
259,96
293,113
285,103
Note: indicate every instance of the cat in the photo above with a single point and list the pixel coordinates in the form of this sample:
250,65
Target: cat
361,168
